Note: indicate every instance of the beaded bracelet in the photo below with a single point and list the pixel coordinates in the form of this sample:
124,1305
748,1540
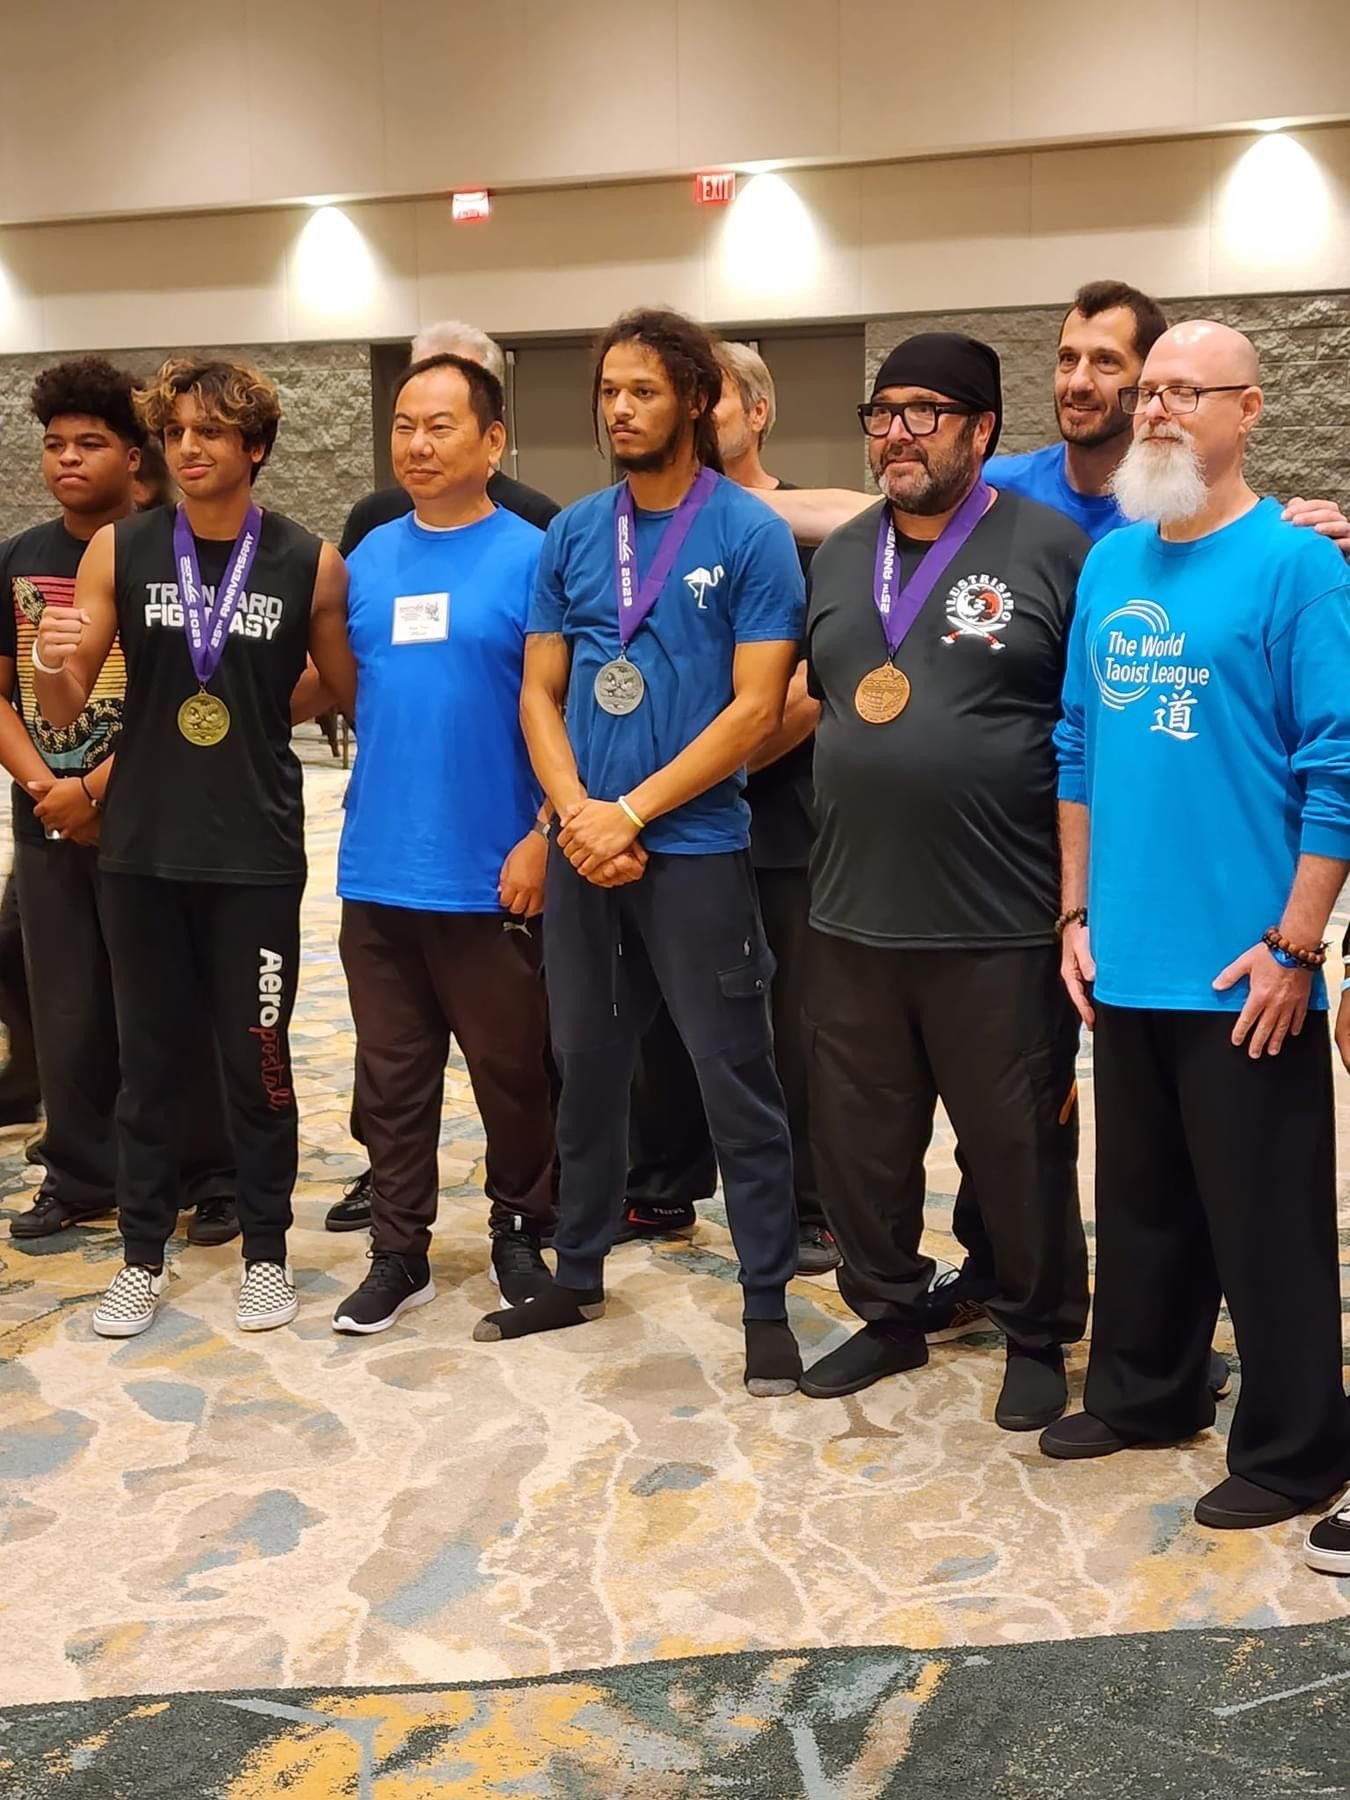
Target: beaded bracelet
1076,915
1292,956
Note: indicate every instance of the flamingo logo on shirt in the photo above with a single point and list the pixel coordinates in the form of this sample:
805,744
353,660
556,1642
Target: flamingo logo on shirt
699,580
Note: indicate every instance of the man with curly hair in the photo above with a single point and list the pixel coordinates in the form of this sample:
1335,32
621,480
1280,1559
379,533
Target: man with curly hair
91,457
202,857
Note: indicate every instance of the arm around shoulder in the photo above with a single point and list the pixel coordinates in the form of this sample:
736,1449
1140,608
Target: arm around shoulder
329,645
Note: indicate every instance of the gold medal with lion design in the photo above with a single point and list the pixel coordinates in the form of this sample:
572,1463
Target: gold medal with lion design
203,719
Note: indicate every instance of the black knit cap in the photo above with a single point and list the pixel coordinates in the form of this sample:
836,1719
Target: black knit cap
950,363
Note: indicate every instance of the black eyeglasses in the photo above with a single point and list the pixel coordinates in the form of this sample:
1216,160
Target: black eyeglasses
920,418
1176,396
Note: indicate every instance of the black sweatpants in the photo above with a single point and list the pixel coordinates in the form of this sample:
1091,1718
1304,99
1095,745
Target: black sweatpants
177,946
670,1154
62,899
992,1033
688,932
19,1087
413,979
1216,1176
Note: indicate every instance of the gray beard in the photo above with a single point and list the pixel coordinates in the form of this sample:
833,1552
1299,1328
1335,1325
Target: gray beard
1160,481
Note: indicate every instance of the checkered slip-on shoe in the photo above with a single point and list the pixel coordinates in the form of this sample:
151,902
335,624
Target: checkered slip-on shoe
266,1297
130,1303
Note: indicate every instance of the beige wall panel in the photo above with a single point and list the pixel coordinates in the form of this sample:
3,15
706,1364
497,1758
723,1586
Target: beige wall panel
315,107
1281,212
787,248
219,279
22,286
1086,71
351,272
548,262
759,80
546,91
1139,213
947,234
952,90
1272,59
86,125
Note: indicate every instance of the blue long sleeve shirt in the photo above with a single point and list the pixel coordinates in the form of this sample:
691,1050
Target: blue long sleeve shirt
1206,724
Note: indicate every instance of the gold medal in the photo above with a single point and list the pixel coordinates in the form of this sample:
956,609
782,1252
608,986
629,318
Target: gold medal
203,720
881,695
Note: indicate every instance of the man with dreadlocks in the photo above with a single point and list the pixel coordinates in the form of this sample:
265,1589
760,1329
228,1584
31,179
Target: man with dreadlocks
664,630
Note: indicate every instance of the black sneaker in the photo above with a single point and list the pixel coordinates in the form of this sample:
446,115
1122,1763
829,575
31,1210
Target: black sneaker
951,1312
518,1268
214,1222
48,1215
643,1221
817,1252
352,1211
1327,1546
394,1284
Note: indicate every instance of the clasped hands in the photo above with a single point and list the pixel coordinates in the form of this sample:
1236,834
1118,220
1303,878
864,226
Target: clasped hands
600,841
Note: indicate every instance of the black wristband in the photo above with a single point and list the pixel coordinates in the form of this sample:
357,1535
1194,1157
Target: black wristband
96,804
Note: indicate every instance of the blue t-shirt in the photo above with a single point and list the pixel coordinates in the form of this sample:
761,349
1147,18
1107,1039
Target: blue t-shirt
1041,475
1207,727
442,789
737,580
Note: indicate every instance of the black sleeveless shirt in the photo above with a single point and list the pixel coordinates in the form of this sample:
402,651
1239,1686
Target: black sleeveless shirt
233,812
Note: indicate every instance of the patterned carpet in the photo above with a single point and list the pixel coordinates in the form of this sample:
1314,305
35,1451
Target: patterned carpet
214,1545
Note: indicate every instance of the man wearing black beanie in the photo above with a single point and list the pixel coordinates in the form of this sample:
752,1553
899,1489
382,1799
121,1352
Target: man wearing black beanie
935,643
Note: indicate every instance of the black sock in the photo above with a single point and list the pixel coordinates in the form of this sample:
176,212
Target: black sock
773,1362
551,1309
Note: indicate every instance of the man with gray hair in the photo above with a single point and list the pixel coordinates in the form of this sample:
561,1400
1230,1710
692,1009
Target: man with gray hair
671,1162
449,337
1204,813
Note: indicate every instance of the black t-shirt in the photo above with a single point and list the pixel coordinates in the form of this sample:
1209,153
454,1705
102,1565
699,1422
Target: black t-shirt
232,812
938,829
391,503
782,814
37,570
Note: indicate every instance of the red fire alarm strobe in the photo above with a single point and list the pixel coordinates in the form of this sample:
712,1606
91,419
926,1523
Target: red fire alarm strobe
474,203
715,190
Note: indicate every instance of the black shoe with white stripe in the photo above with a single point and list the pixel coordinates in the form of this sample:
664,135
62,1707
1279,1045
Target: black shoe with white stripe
394,1285
1327,1546
518,1268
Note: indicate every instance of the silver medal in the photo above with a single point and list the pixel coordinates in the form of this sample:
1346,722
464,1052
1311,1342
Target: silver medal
619,687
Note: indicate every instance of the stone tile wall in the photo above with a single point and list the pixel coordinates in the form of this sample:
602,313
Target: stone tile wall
1302,445
323,461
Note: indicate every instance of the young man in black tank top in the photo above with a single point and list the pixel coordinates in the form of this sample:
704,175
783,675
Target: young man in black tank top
92,443
202,855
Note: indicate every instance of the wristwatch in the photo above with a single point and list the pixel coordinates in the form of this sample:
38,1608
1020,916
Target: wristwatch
544,827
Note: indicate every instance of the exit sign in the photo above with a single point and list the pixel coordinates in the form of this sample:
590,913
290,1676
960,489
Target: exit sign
715,190
475,203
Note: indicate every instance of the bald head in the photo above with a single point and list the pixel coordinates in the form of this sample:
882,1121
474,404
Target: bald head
1204,353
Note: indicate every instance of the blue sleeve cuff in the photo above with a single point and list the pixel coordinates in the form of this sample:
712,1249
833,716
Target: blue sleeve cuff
1322,839
1073,786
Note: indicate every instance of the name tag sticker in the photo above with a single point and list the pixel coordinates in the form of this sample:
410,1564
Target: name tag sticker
421,618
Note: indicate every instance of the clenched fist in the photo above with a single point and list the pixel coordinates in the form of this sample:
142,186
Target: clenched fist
59,633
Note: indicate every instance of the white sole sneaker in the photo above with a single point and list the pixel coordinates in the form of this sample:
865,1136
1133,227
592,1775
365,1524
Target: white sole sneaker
284,1301
129,1305
420,1298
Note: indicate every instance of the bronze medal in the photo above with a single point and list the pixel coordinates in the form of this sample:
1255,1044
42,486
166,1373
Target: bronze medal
203,719
881,695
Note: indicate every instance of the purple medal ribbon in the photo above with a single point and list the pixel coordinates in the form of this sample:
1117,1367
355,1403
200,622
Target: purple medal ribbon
899,607
636,599
207,628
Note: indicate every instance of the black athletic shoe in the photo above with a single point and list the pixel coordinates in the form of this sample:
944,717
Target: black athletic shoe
817,1252
214,1222
48,1215
951,1311
352,1211
1220,1378
643,1221
394,1284
1327,1546
517,1266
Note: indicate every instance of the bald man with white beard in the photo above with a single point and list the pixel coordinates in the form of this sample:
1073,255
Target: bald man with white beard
1205,828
